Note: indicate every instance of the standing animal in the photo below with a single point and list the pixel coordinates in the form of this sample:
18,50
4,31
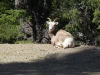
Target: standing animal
59,38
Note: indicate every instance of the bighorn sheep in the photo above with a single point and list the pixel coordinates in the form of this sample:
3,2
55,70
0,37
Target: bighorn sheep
59,38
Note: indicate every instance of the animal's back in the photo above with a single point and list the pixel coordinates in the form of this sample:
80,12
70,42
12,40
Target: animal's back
63,32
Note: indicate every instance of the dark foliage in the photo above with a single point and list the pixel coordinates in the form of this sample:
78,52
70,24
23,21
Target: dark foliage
76,17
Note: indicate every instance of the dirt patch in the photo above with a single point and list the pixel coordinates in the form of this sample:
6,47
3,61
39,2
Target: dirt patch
28,52
40,59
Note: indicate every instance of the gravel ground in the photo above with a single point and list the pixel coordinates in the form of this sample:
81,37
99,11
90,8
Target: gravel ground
45,59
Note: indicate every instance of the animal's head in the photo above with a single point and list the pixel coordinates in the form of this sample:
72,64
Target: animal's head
52,24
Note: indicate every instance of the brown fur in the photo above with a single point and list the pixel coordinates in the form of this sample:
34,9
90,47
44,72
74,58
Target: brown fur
63,32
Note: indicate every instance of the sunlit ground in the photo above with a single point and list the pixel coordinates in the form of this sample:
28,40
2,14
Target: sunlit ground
45,59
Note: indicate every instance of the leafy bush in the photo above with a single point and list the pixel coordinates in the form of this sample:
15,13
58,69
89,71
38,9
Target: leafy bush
80,17
9,24
23,42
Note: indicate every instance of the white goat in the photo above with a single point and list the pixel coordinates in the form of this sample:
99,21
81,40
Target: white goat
59,38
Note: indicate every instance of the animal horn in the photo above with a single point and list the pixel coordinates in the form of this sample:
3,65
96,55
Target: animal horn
49,19
56,19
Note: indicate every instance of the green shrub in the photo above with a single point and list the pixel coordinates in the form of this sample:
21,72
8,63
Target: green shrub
23,42
9,25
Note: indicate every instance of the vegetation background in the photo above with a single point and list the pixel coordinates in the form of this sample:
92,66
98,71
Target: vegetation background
24,21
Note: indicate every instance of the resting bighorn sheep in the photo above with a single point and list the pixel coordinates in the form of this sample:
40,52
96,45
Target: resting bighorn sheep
59,38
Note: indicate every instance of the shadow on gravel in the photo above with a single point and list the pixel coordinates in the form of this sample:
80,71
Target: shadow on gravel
82,63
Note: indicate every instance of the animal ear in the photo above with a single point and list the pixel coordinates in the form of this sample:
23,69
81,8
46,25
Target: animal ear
47,22
56,23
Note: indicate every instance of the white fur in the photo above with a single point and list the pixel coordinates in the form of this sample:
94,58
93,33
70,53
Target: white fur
58,45
68,42
51,24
